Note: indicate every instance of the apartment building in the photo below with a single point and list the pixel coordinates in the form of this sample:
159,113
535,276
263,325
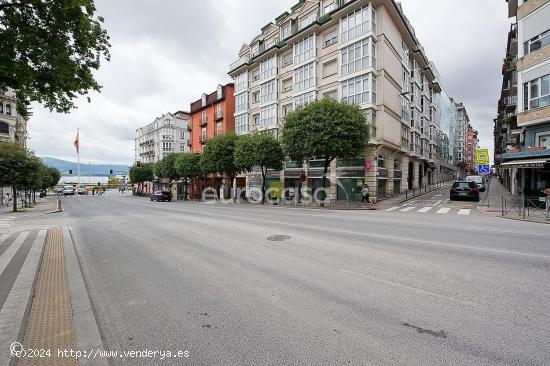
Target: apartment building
355,51
167,134
522,126
212,115
13,127
471,146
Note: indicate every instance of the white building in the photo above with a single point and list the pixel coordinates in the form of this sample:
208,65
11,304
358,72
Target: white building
13,127
167,134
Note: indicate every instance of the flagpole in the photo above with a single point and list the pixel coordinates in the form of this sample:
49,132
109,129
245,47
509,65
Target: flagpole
78,155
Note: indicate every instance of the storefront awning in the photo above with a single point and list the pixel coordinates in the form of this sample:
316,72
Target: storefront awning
522,164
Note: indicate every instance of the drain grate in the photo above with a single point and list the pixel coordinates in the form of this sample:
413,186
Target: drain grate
278,237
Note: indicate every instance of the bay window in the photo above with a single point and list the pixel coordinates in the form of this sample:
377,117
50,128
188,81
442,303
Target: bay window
357,24
304,99
241,124
536,93
268,91
359,90
241,82
268,116
268,68
241,103
358,56
304,77
535,43
304,50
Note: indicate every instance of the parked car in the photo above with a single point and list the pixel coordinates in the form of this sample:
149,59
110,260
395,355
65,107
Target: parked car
83,192
479,180
464,190
161,196
68,191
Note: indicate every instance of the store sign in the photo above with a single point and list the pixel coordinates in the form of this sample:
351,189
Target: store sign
350,173
482,156
367,165
526,154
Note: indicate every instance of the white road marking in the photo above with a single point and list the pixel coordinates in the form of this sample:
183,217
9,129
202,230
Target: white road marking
464,212
425,209
443,210
407,209
7,256
438,202
392,208
438,195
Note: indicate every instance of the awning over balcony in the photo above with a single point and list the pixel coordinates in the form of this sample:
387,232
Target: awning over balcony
522,164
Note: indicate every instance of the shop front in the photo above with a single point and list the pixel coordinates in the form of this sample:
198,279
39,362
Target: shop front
529,171
350,184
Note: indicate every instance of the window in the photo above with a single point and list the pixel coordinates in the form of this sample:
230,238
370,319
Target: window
405,132
268,68
182,134
219,108
287,31
304,50
256,75
356,24
405,108
287,59
404,53
543,139
381,161
330,68
287,109
304,77
333,94
330,38
304,99
397,164
241,83
4,128
307,20
268,91
203,117
256,97
538,42
203,134
287,85
358,90
218,128
256,119
203,100
536,93
329,6
241,124
8,109
356,57
219,92
268,116
241,103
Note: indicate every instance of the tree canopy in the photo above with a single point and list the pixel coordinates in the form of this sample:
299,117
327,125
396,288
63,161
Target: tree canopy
49,51
140,174
188,165
325,129
166,167
217,156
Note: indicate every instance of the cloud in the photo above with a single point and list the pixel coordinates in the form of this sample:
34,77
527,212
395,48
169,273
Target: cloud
165,56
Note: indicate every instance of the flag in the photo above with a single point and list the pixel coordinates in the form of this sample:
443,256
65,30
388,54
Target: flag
77,142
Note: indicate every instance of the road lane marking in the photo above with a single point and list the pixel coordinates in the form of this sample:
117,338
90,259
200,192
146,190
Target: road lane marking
437,202
8,255
464,212
407,209
410,288
425,209
392,208
438,195
443,210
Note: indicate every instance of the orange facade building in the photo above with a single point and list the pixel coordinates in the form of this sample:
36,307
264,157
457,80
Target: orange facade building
211,115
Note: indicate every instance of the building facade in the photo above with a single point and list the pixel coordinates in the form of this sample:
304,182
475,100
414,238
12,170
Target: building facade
212,115
13,127
167,134
361,52
522,126
472,145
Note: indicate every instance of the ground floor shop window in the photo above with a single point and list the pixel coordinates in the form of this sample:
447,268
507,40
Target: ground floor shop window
397,186
349,189
382,188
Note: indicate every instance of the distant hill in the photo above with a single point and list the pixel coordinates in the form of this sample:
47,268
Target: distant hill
98,170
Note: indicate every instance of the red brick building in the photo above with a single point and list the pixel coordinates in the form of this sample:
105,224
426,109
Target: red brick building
212,115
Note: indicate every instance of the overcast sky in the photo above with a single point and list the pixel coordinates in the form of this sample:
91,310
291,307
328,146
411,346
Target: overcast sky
164,57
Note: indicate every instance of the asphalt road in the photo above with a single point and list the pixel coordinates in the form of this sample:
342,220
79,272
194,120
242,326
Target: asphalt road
347,288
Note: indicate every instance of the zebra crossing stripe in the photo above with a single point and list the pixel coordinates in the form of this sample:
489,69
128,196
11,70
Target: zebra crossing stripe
425,209
437,202
407,209
7,256
443,210
464,211
392,208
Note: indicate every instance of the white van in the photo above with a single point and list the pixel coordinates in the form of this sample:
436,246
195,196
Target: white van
68,191
479,180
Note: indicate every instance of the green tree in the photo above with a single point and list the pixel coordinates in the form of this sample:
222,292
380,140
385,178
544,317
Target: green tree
188,166
217,156
166,168
55,176
325,129
259,150
141,174
49,51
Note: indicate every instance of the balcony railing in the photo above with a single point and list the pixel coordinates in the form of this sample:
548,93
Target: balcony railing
203,140
203,122
243,60
189,142
511,100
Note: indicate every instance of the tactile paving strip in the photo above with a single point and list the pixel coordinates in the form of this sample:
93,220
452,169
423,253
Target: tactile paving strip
50,326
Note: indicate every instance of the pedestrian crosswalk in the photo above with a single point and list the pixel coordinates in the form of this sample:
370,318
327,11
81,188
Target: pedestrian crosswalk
6,223
431,209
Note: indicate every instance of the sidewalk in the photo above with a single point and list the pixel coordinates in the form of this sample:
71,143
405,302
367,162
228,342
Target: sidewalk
42,206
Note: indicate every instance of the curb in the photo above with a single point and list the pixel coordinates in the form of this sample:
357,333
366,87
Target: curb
88,338
524,220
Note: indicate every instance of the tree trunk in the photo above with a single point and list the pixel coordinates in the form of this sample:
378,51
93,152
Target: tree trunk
14,199
324,182
264,173
186,184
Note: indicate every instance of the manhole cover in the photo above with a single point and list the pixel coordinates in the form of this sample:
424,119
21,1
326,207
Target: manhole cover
278,237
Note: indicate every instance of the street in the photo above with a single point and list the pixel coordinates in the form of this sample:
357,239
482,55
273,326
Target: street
348,287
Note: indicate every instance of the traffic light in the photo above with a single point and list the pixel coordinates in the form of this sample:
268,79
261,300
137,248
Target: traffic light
111,171
70,172
99,184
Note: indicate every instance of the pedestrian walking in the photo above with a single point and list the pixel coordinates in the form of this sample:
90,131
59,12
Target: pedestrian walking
546,192
365,194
